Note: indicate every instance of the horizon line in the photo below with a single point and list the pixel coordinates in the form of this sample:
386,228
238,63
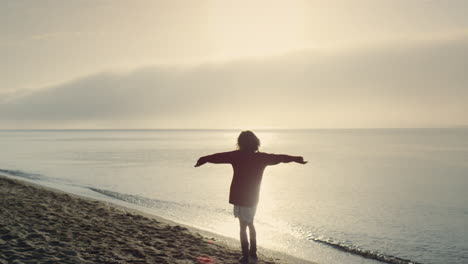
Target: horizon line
226,129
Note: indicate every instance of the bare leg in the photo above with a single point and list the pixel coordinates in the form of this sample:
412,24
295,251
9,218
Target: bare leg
253,242
243,230
252,233
244,242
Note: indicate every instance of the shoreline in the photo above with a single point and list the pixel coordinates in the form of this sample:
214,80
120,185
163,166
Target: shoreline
46,224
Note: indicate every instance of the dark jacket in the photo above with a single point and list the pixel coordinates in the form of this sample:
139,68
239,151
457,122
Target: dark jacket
248,171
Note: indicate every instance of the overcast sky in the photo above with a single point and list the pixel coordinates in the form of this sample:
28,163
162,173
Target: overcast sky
233,64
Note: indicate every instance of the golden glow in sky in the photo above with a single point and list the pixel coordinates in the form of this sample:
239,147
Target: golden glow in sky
263,28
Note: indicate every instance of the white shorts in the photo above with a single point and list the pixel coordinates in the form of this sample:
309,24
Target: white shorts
244,213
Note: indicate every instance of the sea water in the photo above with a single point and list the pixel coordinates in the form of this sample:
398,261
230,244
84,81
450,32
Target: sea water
366,195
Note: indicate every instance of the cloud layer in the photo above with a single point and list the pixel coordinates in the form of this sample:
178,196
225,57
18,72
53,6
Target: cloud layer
423,84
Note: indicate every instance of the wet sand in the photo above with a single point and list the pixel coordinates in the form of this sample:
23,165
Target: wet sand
42,225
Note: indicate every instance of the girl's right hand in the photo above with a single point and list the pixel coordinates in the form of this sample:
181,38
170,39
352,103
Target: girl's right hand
301,160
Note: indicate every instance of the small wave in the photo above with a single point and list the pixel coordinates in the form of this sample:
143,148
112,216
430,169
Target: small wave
154,203
22,174
353,249
134,199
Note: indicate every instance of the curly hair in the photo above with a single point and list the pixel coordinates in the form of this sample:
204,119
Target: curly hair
248,141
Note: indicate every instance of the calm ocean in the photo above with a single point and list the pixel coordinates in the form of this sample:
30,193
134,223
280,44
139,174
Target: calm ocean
397,195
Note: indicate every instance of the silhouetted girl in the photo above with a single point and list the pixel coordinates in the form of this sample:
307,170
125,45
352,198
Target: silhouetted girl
248,164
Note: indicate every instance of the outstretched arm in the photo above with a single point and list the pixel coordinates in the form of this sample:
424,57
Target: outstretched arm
274,159
224,157
297,159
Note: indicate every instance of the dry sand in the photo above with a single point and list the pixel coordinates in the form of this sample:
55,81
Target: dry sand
41,225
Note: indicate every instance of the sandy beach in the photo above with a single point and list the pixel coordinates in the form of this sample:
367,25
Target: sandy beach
42,225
